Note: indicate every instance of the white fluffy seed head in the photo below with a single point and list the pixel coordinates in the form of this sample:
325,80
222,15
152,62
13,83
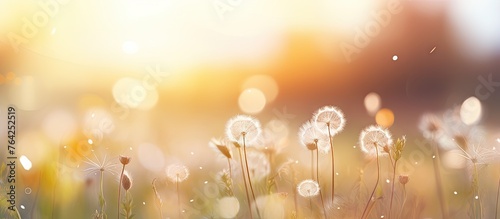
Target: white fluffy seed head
177,172
329,119
308,188
373,139
242,126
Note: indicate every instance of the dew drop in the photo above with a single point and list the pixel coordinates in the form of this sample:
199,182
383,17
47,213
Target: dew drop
22,207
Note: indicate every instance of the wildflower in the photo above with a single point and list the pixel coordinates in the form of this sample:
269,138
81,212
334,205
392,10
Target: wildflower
329,119
311,137
373,139
177,172
308,188
403,179
126,181
242,126
124,160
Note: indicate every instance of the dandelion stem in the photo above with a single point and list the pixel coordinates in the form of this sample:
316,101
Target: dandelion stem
119,191
404,202
178,195
294,186
248,174
158,200
230,169
365,213
439,183
312,164
102,201
498,195
333,159
317,180
477,208
245,183
392,189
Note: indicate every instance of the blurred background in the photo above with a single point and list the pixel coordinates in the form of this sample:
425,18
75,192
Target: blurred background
157,79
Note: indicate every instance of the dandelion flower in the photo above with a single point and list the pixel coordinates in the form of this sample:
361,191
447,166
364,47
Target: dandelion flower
329,119
431,126
308,188
310,135
478,154
242,126
373,139
177,172
457,134
103,165
126,181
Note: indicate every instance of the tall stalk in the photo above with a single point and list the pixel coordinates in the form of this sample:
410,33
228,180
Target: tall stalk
365,212
477,208
392,187
119,191
317,180
330,139
439,183
102,201
245,183
248,173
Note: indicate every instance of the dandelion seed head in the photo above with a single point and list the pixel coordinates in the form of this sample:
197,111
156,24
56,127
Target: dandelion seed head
243,126
430,126
373,139
329,119
310,135
177,172
97,165
308,188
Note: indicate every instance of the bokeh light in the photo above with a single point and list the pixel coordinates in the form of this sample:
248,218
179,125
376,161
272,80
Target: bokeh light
151,157
130,47
454,159
132,93
372,103
470,111
385,118
252,101
264,83
59,124
25,162
476,27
